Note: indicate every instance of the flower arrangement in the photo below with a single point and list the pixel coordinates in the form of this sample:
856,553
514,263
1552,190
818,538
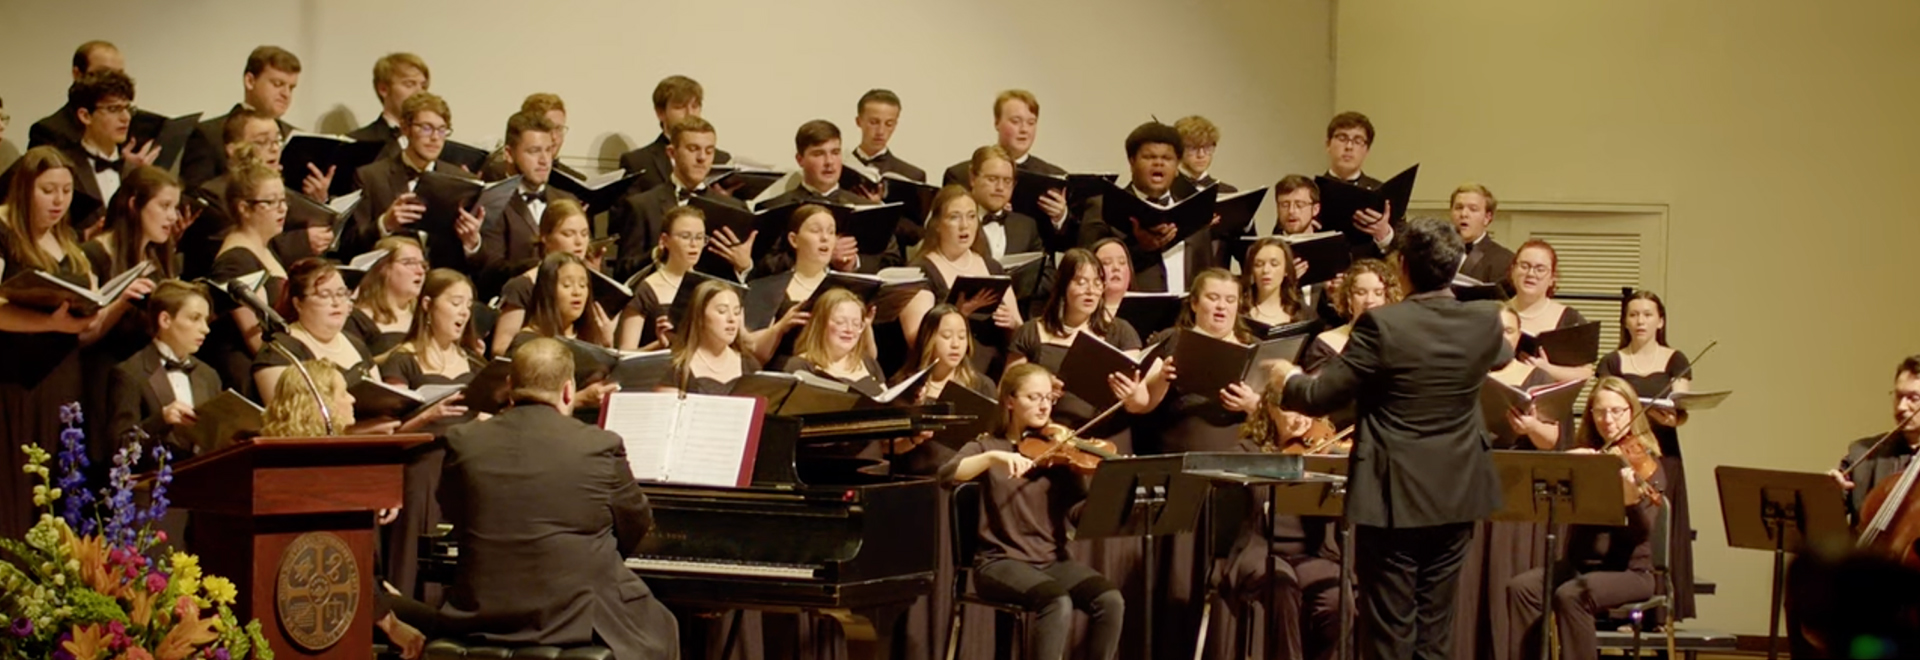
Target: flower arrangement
92,584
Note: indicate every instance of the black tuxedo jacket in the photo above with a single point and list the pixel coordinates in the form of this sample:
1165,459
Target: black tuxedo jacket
869,263
206,156
60,129
1420,457
383,181
887,162
544,508
652,165
86,184
379,131
639,220
139,391
1024,235
1149,270
510,233
1487,261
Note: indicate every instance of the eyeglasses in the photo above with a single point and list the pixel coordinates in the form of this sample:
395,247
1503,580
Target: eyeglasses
1037,397
1204,150
1351,140
115,109
559,131
1612,413
689,236
997,181
273,203
425,130
268,143
332,295
1533,269
411,262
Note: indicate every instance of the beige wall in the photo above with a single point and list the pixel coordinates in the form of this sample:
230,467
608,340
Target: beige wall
1260,68
1781,134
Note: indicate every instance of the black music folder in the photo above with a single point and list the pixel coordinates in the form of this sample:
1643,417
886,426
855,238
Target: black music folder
1237,211
1466,288
1150,312
610,293
1327,253
1554,401
1088,363
887,291
170,133
736,218
467,156
965,401
1121,208
677,310
597,193
1339,200
342,153
1572,346
1207,365
967,286
1030,186
870,225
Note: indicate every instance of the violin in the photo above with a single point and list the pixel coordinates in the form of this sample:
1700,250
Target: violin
1056,445
1319,438
1644,464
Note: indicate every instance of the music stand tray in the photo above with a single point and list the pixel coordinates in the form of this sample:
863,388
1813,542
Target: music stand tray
1559,488
1780,512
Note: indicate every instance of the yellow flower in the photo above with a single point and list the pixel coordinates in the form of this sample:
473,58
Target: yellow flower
220,591
88,642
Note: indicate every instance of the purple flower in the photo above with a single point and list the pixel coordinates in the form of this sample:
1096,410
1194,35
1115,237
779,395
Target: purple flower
157,500
60,647
218,654
122,522
73,479
22,627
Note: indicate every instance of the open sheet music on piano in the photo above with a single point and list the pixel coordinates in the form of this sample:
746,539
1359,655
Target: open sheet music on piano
692,439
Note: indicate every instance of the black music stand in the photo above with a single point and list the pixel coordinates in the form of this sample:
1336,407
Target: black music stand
1144,496
1558,488
1780,512
1299,486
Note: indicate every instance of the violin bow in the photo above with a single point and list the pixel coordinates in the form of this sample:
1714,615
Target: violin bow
1668,390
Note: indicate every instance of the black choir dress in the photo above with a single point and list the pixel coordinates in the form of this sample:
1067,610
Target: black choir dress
127,337
361,325
353,372
225,349
1652,385
41,374
647,307
705,385
420,510
989,340
766,302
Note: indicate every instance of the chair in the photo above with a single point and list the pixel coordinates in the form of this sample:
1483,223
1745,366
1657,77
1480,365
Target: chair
965,516
451,649
1636,613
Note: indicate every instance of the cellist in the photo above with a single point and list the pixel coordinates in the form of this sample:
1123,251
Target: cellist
1860,472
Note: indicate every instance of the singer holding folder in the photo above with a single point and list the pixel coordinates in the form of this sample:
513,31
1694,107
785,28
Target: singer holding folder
1535,276
257,203
1421,473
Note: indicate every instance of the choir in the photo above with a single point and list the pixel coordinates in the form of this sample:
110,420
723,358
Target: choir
243,286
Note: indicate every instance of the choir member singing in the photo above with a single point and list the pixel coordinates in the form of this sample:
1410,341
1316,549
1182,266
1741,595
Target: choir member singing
712,354
1201,421
838,343
817,151
953,247
257,203
1367,285
383,305
269,79
1026,509
1167,261
1472,209
640,219
388,204
316,308
1073,307
554,109
563,228
645,324
1658,371
1604,567
675,98
1349,140
1270,291
1116,274
1535,277
510,223
797,269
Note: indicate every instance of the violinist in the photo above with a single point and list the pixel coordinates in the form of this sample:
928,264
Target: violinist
1603,567
1860,471
1027,508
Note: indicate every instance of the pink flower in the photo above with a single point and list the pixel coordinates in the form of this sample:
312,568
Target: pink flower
117,636
160,536
156,582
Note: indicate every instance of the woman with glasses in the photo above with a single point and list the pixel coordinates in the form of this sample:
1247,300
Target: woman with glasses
563,228
383,307
1535,277
795,271
645,324
257,203
1657,371
953,247
1603,567
316,308
838,343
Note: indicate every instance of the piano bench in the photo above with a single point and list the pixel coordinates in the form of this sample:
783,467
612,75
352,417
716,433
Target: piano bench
451,649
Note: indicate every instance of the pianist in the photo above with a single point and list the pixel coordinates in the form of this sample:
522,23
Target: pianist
545,508
1025,513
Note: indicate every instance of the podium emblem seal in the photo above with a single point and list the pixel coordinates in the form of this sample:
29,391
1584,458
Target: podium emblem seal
317,590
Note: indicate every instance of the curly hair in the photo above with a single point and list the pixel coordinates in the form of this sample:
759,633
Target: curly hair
295,411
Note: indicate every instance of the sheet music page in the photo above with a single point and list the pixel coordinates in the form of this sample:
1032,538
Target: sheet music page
645,422
710,440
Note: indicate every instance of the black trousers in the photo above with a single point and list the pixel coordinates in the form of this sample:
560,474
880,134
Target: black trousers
1407,579
1577,599
1054,592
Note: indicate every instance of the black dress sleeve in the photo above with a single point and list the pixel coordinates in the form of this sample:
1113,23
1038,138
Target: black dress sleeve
1610,364
1678,367
234,263
517,294
1317,355
400,368
268,357
361,326
1026,341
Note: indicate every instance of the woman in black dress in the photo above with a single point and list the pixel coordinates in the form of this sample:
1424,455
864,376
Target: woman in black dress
838,344
42,372
791,275
1657,371
1116,274
562,306
257,202
563,228
1535,276
139,227
1185,421
316,308
1074,306
953,247
644,324
713,353
1270,286
383,306
440,349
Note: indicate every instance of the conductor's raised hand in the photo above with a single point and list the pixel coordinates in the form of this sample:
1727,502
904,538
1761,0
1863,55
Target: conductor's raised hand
1277,372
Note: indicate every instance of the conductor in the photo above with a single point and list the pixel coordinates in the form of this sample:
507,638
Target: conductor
545,508
1421,472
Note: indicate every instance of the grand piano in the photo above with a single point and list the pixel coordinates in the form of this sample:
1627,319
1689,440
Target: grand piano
819,531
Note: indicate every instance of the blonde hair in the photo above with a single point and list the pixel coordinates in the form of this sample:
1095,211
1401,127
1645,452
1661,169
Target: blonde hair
1021,95
932,242
1197,130
372,295
1010,385
385,68
812,344
1476,189
1589,434
18,216
294,412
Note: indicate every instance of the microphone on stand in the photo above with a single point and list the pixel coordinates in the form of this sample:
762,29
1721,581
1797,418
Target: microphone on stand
272,324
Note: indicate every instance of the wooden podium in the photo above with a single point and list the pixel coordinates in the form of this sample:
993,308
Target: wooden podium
291,522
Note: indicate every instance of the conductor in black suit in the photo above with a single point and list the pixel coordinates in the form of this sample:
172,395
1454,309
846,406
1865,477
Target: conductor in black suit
1421,472
545,508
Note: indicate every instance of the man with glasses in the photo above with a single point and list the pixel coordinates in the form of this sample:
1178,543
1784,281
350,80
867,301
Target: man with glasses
1005,230
1869,462
103,104
640,218
1200,138
1349,139
269,79
388,204
1016,118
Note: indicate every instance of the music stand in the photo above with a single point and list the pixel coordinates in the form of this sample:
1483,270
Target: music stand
1144,496
1780,512
1558,488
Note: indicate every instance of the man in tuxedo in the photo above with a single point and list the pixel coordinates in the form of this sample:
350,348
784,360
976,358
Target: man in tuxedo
1296,202
1349,140
62,128
640,219
1422,474
1016,118
510,232
395,78
1200,137
1162,261
877,115
103,104
388,204
539,563
817,151
268,80
500,166
1008,231
258,136
155,391
674,98
1472,208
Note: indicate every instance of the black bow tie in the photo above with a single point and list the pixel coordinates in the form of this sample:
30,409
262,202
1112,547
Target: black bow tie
183,366
411,174
997,217
1203,182
1163,200
687,194
102,164
529,198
